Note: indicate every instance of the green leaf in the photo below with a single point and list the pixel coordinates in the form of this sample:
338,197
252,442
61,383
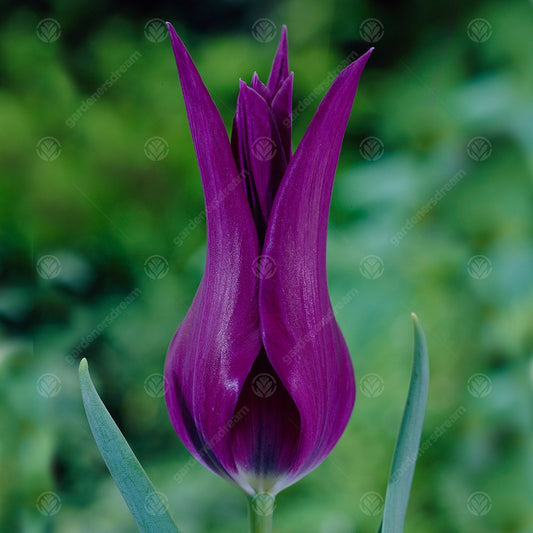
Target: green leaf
148,507
408,443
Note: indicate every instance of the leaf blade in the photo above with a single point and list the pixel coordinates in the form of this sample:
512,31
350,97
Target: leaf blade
130,477
408,442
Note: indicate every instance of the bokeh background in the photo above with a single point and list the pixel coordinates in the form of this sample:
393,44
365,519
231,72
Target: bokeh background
103,242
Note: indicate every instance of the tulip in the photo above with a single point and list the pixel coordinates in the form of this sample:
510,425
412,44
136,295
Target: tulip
260,384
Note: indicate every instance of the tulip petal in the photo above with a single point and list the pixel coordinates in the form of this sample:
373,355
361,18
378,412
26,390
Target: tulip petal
280,65
257,145
282,109
215,347
265,444
302,339
259,86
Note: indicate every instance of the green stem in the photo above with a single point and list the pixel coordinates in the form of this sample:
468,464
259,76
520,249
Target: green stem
260,512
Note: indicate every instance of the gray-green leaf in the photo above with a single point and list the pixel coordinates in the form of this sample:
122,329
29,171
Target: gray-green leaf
408,443
148,507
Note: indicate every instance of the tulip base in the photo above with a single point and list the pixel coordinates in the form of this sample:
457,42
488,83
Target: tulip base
260,512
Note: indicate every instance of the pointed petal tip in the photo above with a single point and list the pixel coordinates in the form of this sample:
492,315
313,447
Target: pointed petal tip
364,57
283,45
280,64
174,37
358,65
170,28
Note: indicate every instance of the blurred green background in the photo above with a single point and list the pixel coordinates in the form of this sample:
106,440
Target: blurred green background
101,254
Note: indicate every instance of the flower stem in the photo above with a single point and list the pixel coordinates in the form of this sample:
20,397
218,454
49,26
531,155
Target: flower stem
260,512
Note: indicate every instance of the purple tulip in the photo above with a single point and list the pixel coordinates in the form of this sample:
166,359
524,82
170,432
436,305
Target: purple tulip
260,384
